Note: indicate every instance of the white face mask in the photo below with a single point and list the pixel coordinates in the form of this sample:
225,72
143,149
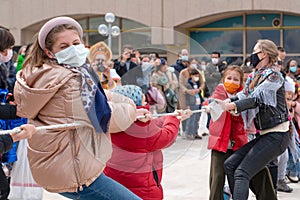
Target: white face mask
74,55
248,64
196,79
184,58
193,66
203,67
215,61
6,58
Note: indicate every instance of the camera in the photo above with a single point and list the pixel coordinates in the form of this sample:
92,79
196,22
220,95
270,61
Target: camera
100,66
151,57
132,55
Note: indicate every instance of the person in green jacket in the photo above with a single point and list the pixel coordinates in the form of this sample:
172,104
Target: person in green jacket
21,56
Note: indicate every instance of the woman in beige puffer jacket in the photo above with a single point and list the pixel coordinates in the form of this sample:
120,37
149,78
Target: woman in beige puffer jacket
67,161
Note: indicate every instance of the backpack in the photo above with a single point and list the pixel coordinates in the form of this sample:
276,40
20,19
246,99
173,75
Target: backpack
171,100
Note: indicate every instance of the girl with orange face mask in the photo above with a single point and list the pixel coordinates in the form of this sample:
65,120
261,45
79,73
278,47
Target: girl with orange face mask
227,134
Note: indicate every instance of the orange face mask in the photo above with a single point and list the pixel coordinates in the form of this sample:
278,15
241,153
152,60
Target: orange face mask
231,87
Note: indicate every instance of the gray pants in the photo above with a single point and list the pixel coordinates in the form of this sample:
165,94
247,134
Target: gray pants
282,163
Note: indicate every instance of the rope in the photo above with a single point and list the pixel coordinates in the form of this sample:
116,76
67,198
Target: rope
169,114
50,127
77,125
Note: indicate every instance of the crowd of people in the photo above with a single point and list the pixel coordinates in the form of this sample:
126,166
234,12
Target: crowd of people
116,152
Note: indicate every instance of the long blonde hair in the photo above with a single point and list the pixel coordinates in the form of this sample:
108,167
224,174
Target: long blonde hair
270,48
37,57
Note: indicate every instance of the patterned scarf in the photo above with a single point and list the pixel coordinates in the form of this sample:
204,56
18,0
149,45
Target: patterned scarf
264,91
253,79
93,98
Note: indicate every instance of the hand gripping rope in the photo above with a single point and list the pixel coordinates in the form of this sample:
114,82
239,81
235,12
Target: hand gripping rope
213,108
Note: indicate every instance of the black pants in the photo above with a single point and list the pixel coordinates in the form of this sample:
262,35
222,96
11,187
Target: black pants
4,185
261,184
252,158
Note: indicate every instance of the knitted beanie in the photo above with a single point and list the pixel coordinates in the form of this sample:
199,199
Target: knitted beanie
131,91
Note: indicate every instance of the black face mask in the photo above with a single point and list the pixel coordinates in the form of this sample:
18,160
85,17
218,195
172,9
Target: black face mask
254,59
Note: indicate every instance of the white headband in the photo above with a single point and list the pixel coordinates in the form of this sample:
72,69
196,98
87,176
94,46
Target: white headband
48,26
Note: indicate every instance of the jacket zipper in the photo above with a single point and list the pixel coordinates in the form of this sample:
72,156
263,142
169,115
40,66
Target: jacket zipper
155,176
259,122
272,110
74,161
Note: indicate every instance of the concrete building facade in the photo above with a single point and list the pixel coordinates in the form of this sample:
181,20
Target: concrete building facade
230,26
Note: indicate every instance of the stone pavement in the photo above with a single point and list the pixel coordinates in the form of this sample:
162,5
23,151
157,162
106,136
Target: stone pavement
186,171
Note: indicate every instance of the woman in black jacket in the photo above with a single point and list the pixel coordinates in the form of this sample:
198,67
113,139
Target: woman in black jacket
263,100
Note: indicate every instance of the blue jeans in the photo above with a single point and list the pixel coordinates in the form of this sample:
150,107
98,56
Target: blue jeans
192,123
293,168
246,162
102,188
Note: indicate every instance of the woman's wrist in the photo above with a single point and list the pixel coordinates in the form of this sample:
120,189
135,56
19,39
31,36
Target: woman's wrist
233,107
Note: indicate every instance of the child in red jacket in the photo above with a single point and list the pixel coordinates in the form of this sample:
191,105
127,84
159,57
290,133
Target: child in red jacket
137,160
227,134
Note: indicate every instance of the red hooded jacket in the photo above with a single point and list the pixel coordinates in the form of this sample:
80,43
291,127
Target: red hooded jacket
226,128
137,159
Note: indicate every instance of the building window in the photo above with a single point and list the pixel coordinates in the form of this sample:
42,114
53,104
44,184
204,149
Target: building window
261,20
253,35
207,42
290,40
235,37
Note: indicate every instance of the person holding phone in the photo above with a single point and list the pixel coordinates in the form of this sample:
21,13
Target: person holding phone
99,58
128,70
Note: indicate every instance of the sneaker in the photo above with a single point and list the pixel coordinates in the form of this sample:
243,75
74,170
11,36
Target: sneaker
190,137
198,137
226,193
283,187
293,179
204,134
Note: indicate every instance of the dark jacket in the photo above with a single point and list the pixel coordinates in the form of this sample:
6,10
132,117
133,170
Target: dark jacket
8,111
212,77
128,77
178,66
7,76
268,116
5,143
191,99
3,76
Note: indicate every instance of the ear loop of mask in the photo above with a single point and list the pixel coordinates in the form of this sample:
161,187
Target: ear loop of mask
52,54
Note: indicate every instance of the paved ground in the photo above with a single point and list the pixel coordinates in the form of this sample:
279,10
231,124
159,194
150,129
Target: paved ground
186,173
